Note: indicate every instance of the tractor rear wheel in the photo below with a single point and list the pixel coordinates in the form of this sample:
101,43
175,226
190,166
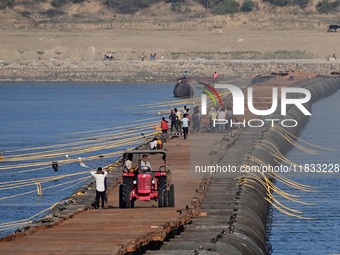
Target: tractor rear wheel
162,198
127,181
171,196
124,196
162,192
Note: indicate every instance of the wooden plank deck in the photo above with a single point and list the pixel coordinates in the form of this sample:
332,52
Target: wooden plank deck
106,231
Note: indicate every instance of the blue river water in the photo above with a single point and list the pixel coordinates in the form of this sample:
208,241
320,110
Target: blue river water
54,117
319,235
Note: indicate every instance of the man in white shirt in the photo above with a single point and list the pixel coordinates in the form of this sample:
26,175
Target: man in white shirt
100,175
185,122
144,164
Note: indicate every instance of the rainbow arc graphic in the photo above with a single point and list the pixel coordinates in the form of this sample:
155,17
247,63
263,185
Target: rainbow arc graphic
210,94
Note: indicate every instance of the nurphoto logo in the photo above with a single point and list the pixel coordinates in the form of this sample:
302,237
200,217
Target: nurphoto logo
238,104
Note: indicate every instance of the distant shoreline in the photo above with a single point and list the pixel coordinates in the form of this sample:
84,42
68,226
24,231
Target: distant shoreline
153,71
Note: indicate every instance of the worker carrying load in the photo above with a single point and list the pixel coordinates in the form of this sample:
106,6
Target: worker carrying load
156,144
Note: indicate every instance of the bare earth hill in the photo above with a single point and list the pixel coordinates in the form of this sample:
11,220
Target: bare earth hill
34,34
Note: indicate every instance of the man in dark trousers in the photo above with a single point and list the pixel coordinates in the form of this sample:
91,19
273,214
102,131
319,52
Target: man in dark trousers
185,122
100,175
172,117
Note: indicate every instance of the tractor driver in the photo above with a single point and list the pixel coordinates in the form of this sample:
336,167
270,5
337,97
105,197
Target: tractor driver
144,164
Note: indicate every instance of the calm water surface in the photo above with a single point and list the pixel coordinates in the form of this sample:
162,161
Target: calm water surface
321,235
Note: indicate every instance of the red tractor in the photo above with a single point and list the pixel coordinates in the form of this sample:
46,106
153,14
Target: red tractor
142,182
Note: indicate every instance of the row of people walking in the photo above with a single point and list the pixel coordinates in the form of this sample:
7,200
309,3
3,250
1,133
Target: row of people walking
182,121
222,114
221,120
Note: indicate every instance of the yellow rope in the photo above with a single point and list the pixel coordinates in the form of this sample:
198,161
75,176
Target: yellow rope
12,224
282,129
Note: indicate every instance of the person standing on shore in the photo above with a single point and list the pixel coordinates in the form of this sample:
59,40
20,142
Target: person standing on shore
142,56
215,77
99,176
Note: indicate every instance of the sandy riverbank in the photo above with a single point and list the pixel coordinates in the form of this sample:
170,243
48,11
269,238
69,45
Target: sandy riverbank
40,55
152,71
233,44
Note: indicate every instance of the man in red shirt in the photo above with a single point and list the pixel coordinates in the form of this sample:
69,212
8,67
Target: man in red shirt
164,125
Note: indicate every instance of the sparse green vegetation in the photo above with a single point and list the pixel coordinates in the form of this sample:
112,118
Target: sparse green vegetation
52,13
175,55
278,2
335,4
59,3
239,55
129,6
227,7
247,6
324,7
40,52
78,1
112,3
176,5
301,3
287,54
5,3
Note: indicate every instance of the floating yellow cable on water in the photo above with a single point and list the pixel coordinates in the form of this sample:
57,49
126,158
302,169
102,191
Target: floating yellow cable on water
13,224
133,140
282,129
